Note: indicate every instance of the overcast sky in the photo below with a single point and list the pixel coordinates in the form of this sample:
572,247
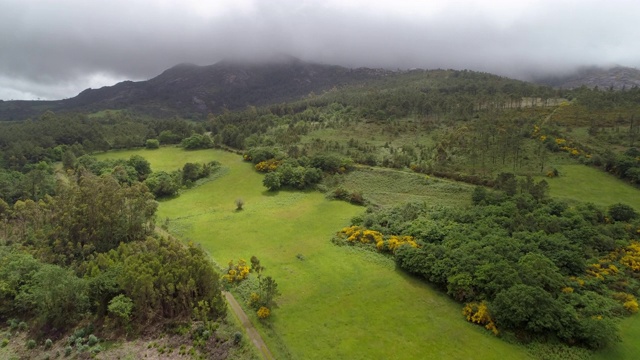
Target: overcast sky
53,49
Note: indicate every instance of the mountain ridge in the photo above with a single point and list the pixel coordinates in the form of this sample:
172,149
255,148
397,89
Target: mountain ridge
193,90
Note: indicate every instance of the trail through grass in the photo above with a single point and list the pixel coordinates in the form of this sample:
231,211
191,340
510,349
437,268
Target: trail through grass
337,303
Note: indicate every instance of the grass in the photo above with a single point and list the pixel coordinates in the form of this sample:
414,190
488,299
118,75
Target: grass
388,187
587,184
629,347
164,159
337,302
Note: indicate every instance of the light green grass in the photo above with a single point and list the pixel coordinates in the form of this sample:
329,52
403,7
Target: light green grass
629,348
587,184
167,158
337,303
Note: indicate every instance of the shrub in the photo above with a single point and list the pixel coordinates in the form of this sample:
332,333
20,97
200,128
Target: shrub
47,344
239,204
622,212
263,312
152,144
22,326
67,350
237,337
31,344
120,307
92,340
4,342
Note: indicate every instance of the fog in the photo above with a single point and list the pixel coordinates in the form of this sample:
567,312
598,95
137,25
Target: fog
53,49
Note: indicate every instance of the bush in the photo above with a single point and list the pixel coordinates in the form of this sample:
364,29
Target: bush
92,340
67,350
31,344
237,337
152,144
120,307
239,204
22,326
4,342
622,212
263,312
47,344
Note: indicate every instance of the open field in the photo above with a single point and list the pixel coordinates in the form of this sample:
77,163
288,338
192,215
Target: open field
389,187
337,302
587,184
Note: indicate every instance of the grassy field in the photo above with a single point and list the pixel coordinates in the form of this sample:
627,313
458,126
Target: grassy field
337,302
583,183
388,187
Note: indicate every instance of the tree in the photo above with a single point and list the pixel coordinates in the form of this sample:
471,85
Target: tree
120,308
622,212
57,296
152,144
162,184
141,165
272,181
68,159
526,307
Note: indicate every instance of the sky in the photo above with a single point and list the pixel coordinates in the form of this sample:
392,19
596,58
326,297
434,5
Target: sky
53,49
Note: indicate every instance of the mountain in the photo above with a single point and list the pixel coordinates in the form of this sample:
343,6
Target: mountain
194,91
618,77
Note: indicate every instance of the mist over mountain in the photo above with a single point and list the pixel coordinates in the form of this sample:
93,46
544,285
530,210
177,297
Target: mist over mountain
193,91
617,78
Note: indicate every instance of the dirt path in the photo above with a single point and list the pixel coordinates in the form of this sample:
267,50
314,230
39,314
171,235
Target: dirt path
253,334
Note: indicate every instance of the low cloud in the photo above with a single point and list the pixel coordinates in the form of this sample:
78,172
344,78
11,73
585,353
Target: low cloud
55,49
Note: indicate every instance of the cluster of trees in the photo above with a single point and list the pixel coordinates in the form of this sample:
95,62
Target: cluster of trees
298,173
523,262
90,252
625,166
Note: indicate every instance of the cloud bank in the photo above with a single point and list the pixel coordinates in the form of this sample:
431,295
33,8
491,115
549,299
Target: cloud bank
52,49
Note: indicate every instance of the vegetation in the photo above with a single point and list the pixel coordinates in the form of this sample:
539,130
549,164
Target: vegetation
527,267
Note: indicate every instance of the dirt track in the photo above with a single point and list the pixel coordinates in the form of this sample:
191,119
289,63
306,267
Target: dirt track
253,334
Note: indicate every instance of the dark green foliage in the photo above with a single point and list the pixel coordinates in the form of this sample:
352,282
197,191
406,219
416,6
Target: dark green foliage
152,144
260,154
521,255
141,166
168,137
31,344
197,141
193,171
162,184
163,278
622,212
272,181
53,295
97,214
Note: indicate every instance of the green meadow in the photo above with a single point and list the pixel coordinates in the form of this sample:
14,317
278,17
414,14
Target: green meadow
336,303
587,184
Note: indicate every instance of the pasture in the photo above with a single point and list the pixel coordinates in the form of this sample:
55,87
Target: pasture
336,302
